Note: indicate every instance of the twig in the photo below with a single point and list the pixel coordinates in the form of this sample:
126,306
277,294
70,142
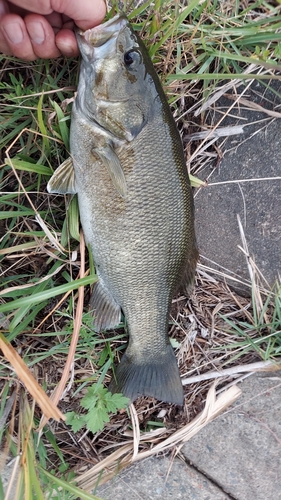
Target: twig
136,429
47,406
236,181
256,295
256,107
200,147
220,92
219,132
251,367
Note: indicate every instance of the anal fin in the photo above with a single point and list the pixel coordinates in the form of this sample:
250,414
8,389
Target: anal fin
106,311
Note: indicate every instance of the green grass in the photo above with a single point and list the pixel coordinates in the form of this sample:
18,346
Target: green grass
195,49
259,332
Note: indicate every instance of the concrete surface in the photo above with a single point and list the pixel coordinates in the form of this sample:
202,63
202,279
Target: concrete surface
150,479
236,457
241,450
257,203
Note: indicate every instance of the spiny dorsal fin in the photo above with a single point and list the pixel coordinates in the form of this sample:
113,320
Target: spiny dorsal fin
63,179
111,161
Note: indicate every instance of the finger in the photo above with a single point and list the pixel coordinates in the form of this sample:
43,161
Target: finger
85,13
4,47
56,20
42,36
4,9
66,43
8,7
39,6
16,37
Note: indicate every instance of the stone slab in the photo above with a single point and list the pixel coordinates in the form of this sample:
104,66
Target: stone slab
150,479
257,203
241,449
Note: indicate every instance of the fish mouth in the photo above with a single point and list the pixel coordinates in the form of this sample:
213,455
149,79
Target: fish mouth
99,35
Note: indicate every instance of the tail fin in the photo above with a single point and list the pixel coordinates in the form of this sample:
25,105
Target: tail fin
159,379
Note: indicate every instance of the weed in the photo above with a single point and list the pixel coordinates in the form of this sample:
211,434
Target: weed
99,402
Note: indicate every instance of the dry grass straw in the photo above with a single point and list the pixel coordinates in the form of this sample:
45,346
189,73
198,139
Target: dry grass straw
259,366
47,406
129,453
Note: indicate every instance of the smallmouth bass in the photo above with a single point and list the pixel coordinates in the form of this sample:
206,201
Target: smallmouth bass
128,168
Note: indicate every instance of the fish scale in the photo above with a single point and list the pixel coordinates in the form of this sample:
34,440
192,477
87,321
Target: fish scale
135,202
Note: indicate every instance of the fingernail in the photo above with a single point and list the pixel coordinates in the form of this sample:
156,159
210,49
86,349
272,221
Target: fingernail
13,32
36,32
66,48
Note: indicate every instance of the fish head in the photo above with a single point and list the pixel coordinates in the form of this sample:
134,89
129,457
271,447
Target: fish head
116,83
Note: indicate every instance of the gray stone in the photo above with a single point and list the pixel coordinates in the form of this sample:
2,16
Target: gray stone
6,474
150,479
257,203
241,450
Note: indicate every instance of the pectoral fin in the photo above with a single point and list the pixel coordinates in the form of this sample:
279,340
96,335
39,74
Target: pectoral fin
63,179
111,161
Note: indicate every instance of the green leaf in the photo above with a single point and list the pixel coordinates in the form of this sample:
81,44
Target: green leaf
47,294
29,167
41,123
68,486
96,419
75,421
73,218
196,182
90,399
100,402
115,402
5,214
51,438
175,344
62,124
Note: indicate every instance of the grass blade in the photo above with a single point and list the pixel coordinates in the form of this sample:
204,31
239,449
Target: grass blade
47,294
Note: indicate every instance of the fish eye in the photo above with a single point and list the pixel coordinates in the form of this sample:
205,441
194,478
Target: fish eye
131,57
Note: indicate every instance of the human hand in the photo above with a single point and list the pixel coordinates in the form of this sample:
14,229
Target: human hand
45,28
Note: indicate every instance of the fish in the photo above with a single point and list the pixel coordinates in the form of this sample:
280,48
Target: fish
128,168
